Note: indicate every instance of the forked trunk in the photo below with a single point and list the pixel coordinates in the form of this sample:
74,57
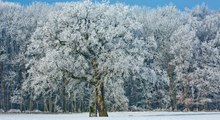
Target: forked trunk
99,102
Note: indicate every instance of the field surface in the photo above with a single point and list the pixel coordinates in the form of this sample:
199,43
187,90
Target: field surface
118,116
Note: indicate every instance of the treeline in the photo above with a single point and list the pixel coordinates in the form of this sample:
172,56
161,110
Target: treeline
81,56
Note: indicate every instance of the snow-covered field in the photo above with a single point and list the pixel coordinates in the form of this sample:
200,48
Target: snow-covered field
118,116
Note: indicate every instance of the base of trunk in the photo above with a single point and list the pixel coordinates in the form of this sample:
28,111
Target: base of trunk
92,114
99,103
103,114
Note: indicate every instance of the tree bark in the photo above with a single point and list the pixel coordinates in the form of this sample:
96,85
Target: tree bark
37,105
31,102
205,106
3,95
93,109
45,105
74,106
172,90
2,87
50,102
64,100
64,94
101,102
7,96
21,103
82,104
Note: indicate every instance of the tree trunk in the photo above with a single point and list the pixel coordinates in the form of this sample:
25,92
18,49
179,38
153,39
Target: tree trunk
64,94
205,106
198,101
31,103
172,91
175,101
93,109
3,95
187,97
50,102
37,105
54,107
101,102
64,101
45,105
11,105
74,106
2,87
82,104
7,97
21,103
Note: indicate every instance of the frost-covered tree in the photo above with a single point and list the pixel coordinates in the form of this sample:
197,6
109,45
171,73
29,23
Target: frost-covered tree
193,51
17,25
9,13
84,56
160,24
184,39
2,59
33,16
206,57
93,43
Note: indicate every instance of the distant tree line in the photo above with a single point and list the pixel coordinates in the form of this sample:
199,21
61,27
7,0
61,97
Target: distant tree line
84,56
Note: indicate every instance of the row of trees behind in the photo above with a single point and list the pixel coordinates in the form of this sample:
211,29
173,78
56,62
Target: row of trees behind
81,56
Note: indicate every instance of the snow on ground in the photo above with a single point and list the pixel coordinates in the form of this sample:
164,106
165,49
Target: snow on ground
118,116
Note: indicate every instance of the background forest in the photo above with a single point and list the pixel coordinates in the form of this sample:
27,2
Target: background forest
54,57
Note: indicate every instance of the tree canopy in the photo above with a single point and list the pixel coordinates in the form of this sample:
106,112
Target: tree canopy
85,56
